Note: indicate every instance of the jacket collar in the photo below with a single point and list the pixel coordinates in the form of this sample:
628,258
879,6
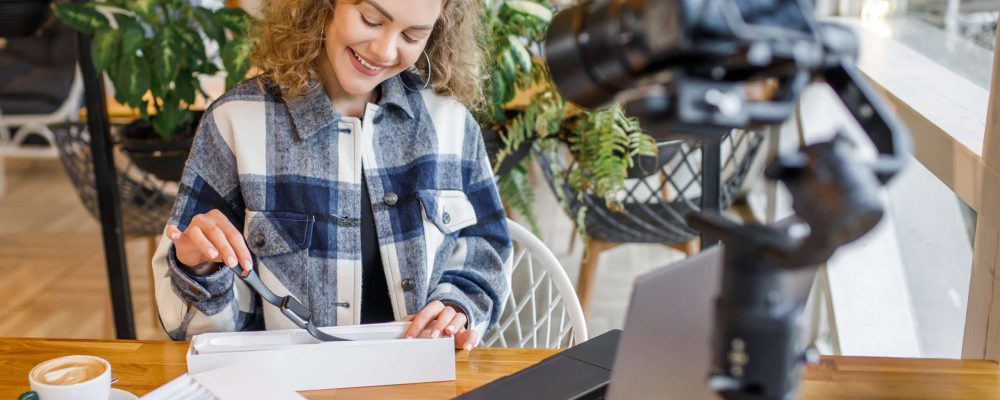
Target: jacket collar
395,94
312,112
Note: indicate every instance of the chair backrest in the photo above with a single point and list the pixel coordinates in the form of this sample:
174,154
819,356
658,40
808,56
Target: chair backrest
542,310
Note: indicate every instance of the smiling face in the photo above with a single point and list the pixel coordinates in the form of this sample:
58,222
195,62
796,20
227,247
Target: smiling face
369,42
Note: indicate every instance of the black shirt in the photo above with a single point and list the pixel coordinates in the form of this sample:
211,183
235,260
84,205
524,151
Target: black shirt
375,306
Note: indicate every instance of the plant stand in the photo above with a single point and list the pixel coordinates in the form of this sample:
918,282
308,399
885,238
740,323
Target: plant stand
711,180
698,175
109,209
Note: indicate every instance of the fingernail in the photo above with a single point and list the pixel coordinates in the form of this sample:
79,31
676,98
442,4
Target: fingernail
175,236
248,263
435,334
231,262
468,347
409,336
450,329
213,253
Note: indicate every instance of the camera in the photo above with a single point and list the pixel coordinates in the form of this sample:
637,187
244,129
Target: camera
693,66
689,68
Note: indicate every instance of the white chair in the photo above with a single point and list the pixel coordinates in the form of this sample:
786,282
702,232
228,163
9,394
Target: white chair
542,310
15,129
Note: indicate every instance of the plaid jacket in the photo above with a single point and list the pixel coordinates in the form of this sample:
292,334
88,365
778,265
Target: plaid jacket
287,172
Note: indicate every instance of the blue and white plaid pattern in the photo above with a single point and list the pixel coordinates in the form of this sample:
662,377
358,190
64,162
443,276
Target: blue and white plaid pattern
287,172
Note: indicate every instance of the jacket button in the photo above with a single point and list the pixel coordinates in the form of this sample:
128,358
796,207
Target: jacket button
258,240
390,199
407,284
445,217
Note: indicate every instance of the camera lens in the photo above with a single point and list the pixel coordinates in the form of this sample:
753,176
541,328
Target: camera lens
596,51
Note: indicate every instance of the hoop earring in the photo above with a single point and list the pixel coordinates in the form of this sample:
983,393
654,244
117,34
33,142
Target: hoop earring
414,70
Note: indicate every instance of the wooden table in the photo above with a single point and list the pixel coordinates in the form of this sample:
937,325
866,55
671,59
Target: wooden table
141,366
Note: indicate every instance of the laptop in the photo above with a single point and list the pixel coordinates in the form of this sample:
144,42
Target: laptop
666,346
581,372
663,352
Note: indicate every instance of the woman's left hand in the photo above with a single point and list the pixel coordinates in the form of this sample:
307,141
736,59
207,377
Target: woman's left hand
441,319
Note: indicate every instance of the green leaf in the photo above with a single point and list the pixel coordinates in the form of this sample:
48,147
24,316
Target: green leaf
236,60
234,19
168,57
194,44
171,118
165,122
132,81
509,94
185,87
158,89
139,84
133,36
123,4
120,81
105,49
145,8
82,17
516,192
507,66
206,19
120,95
520,54
531,9
498,92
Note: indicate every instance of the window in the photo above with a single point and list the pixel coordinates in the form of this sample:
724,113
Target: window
958,34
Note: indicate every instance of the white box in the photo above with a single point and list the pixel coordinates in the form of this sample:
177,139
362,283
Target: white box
375,355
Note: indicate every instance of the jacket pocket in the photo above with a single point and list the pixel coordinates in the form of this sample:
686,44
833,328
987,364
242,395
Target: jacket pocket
273,233
449,210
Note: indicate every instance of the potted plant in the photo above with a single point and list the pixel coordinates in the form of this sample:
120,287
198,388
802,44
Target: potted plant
524,109
153,51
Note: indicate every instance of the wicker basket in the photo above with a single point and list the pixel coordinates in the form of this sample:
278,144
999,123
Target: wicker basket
145,200
654,205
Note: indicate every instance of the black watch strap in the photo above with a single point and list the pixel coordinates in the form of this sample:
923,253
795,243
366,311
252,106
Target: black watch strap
318,334
291,308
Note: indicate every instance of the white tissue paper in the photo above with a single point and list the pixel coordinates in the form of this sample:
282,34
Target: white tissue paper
235,382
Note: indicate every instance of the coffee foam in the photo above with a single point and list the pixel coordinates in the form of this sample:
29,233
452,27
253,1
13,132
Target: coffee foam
67,371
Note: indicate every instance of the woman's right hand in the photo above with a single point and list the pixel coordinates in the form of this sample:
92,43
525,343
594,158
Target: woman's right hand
210,238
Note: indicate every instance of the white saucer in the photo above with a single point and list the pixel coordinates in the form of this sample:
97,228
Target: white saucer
118,394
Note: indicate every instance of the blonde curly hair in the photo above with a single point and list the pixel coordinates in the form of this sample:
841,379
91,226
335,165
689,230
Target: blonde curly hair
290,41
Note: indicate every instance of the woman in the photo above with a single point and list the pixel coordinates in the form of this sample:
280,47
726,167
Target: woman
359,188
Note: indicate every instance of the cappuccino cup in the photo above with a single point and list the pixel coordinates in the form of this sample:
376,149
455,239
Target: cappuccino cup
72,378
